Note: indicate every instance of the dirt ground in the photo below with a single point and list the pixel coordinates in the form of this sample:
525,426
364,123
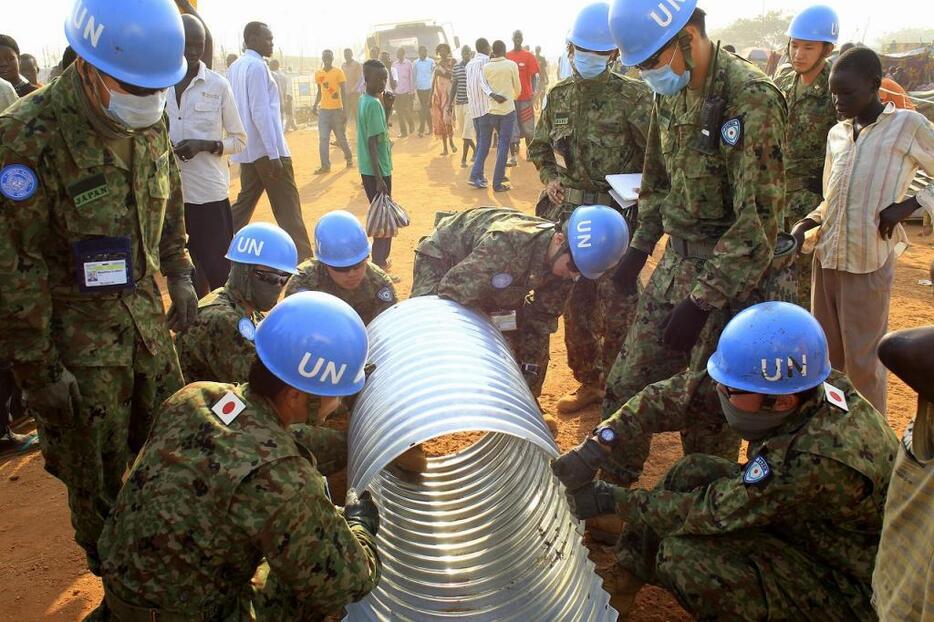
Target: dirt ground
43,570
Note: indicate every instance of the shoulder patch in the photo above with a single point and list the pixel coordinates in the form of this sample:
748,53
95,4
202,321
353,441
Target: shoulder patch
18,182
835,397
228,408
757,471
501,280
732,131
384,294
247,328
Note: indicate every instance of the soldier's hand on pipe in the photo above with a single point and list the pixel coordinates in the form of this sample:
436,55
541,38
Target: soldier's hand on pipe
579,466
361,510
594,499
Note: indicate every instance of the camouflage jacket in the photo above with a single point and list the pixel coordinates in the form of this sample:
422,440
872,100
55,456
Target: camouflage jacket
218,347
826,476
734,197
373,296
206,502
496,261
811,114
82,193
590,129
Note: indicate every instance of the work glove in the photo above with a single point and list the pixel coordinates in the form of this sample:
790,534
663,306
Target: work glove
184,308
684,325
628,271
361,510
593,499
60,398
579,466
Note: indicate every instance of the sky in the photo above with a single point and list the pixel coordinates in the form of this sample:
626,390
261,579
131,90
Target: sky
306,27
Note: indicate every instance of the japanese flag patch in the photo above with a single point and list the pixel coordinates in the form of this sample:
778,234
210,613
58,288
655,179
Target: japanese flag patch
757,471
732,131
835,396
228,408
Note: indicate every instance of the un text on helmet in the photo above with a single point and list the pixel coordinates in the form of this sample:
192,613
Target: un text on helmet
92,28
789,367
330,373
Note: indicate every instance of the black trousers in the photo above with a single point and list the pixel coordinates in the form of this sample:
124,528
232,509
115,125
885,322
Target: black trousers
424,110
210,229
381,246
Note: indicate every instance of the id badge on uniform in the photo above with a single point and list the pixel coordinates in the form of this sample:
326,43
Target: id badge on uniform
104,264
505,321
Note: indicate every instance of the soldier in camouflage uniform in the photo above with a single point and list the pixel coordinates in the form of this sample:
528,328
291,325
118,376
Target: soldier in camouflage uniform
594,125
714,184
793,533
811,114
218,347
224,516
516,268
90,211
342,267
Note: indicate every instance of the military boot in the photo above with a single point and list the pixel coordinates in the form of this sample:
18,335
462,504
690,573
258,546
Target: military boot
413,460
585,395
622,586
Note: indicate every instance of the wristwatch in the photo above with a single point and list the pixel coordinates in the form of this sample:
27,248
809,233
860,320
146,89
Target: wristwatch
606,435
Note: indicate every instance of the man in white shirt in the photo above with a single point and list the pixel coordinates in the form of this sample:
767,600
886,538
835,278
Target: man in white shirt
266,163
872,157
7,95
478,102
204,126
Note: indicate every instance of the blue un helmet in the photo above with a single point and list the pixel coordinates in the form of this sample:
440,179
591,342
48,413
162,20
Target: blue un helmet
642,27
140,42
340,240
774,348
591,29
597,236
815,23
316,343
264,244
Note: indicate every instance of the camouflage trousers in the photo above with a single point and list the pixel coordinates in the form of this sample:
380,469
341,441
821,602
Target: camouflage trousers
596,320
644,359
90,449
427,275
745,575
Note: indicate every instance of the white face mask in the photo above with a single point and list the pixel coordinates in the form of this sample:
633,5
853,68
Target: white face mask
137,111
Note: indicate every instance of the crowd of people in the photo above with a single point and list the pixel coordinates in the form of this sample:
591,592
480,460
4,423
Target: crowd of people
780,203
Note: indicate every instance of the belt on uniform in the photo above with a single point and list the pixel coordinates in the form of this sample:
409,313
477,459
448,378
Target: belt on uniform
691,250
125,612
803,183
583,197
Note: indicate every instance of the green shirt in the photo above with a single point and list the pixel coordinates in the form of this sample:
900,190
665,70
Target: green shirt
371,121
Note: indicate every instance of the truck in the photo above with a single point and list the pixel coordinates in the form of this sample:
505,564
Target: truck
411,35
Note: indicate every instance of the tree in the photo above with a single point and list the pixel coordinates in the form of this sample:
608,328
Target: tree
767,31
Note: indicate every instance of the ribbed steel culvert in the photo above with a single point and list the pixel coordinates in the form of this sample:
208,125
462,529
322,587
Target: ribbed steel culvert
485,534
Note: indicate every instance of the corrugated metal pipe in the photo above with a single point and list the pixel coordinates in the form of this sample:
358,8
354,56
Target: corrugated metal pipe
484,534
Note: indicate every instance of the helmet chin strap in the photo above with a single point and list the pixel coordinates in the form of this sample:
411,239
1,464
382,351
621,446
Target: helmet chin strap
684,42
